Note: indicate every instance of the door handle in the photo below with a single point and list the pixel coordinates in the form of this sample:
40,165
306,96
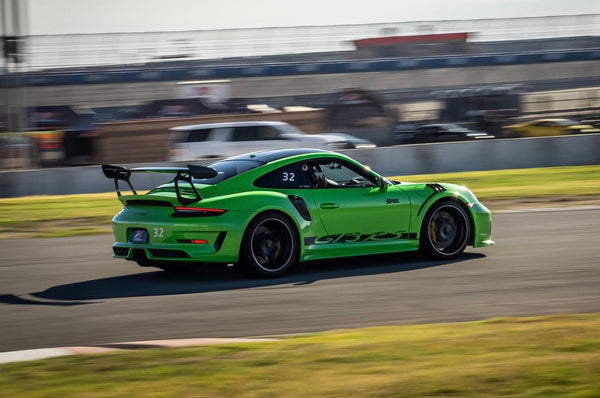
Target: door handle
329,206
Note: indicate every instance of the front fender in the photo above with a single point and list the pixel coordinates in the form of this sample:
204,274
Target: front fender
425,196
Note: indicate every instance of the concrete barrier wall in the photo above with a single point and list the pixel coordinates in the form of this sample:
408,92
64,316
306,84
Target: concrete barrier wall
482,155
389,161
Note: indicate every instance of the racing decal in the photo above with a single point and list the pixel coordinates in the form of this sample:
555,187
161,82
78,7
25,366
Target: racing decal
356,237
391,201
287,176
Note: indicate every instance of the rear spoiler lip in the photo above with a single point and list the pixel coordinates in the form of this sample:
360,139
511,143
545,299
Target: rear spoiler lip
182,174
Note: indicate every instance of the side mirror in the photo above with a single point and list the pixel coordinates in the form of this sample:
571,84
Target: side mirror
380,182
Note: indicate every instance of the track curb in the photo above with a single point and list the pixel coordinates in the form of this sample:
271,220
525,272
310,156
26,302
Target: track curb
43,353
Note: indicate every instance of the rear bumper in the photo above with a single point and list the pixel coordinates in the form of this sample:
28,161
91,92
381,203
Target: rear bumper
191,251
206,240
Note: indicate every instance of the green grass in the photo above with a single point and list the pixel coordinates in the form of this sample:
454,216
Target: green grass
71,215
553,356
53,216
576,181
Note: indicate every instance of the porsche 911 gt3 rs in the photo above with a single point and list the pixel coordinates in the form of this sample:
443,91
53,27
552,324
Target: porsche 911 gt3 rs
267,211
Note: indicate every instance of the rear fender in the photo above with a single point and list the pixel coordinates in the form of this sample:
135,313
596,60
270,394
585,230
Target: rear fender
250,204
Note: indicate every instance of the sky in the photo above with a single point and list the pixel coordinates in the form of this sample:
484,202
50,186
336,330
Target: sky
100,16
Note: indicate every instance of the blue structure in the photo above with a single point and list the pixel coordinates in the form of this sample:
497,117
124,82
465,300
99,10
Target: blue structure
191,72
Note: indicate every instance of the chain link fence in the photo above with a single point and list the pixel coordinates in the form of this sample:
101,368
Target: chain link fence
63,51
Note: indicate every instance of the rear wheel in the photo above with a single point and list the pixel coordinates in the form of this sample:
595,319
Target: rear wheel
445,230
269,246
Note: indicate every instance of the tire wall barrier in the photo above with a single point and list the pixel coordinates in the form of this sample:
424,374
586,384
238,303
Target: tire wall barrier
390,161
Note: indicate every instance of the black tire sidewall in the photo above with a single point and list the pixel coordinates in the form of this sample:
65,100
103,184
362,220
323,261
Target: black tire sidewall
427,246
248,265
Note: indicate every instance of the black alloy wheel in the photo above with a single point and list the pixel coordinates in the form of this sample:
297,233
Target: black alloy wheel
445,231
269,247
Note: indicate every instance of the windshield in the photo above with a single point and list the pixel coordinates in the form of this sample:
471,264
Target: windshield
228,169
566,122
455,127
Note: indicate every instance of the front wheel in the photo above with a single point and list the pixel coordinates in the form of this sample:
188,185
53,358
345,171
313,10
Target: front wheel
445,230
269,247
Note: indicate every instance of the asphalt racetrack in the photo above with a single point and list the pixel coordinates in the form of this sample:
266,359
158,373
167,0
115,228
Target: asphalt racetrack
69,291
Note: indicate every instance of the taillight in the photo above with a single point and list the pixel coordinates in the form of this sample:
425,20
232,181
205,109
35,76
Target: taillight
197,212
193,241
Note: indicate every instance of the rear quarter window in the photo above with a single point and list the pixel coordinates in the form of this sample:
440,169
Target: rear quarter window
287,177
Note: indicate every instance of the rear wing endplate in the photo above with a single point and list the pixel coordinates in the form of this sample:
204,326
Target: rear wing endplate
182,174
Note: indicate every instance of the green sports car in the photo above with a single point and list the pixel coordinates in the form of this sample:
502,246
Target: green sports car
266,211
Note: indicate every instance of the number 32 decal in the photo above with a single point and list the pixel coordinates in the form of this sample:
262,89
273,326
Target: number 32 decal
288,176
158,233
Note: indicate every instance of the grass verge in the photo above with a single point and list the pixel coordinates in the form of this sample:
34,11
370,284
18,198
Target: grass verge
574,181
71,215
552,356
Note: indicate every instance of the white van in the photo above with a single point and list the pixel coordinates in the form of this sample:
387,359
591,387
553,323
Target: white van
234,138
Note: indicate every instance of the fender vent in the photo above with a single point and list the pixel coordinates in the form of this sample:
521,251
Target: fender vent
437,188
301,206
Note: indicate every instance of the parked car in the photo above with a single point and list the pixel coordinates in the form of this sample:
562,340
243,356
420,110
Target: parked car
548,127
229,139
266,211
437,132
354,142
592,121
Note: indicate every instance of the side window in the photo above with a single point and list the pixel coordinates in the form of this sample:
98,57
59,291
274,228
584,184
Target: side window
329,173
267,133
197,135
220,134
292,176
245,133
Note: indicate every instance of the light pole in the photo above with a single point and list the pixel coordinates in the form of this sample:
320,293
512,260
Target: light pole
12,18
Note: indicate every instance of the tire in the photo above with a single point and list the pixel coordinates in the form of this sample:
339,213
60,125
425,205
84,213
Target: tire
445,231
269,247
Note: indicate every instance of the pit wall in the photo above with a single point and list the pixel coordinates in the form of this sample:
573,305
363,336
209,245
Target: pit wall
390,161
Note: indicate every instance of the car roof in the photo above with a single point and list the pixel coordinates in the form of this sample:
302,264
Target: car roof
555,119
276,154
226,125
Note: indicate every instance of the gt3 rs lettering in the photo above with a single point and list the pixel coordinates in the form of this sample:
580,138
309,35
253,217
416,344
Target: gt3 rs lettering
356,237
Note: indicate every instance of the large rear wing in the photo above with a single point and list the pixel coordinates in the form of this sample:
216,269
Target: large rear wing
120,173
